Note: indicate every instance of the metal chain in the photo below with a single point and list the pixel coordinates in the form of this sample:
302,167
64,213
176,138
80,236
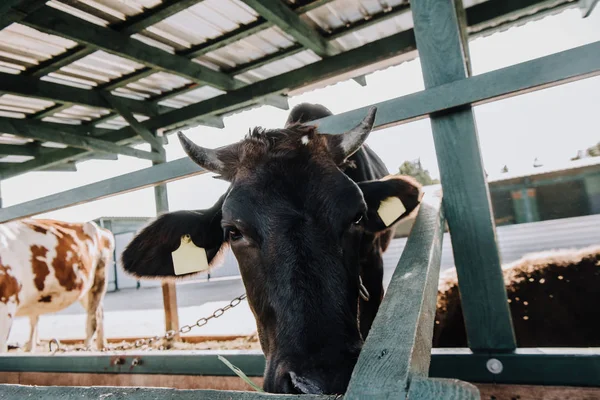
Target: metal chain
168,335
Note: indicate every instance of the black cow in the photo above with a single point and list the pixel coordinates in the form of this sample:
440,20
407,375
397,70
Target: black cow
301,216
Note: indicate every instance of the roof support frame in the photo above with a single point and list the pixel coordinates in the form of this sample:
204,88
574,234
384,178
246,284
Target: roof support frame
43,131
552,70
56,22
288,21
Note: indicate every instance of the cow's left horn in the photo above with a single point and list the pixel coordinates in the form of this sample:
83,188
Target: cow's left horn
206,158
349,142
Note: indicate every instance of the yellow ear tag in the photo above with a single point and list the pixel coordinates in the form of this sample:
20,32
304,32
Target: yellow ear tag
189,258
390,210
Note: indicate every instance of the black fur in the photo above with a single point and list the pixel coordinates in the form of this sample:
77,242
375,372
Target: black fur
302,229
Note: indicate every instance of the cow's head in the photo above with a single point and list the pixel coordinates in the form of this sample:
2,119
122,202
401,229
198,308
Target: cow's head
296,224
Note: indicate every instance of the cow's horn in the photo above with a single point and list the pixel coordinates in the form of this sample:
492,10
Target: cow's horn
354,138
206,158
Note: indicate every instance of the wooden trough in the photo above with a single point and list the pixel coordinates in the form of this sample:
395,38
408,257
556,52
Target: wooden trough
397,360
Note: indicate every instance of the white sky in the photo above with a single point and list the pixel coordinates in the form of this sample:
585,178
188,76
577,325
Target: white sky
551,124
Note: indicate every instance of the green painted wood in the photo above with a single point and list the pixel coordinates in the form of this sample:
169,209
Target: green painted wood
538,366
556,69
156,14
137,126
361,80
37,130
547,366
68,167
56,22
379,50
55,63
399,344
447,389
143,178
586,7
27,86
14,10
18,150
245,30
466,195
551,70
50,111
287,20
278,101
129,78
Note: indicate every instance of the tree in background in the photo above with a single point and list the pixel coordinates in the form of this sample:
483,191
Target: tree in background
415,169
593,151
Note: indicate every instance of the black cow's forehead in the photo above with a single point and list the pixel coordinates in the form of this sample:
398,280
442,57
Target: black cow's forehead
273,194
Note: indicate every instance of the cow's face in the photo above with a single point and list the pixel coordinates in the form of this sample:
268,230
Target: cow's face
296,224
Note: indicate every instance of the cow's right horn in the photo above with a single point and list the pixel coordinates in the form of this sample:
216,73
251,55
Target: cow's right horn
206,158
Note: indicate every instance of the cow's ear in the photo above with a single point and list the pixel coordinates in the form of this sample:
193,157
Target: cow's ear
192,238
390,200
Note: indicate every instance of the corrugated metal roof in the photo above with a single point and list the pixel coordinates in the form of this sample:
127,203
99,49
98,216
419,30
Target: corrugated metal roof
345,23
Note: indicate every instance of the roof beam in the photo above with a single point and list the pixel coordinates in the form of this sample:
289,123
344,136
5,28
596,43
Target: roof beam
134,123
32,87
56,22
68,167
277,101
18,150
399,45
41,131
244,31
287,20
587,6
156,14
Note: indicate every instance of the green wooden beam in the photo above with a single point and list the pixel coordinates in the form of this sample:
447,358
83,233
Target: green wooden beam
466,195
156,14
544,72
10,14
44,132
532,366
68,167
587,6
31,87
140,179
244,31
398,347
361,80
18,150
287,20
137,126
56,22
50,111
129,78
278,101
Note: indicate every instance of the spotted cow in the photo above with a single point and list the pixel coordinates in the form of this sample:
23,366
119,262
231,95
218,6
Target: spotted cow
47,265
553,299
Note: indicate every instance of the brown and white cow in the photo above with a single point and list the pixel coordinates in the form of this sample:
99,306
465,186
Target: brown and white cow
47,265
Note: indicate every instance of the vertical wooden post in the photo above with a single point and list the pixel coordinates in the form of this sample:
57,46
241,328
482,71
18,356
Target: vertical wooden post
467,203
168,288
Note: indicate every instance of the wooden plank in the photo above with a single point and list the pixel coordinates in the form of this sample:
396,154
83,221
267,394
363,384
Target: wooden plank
556,69
137,126
466,195
399,344
18,150
31,87
447,389
68,167
138,23
586,7
147,177
19,392
50,111
56,22
278,101
287,20
39,131
549,366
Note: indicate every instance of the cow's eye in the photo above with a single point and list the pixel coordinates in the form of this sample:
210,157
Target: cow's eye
233,234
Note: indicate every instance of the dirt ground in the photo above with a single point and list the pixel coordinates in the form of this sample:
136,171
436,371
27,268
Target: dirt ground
242,343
